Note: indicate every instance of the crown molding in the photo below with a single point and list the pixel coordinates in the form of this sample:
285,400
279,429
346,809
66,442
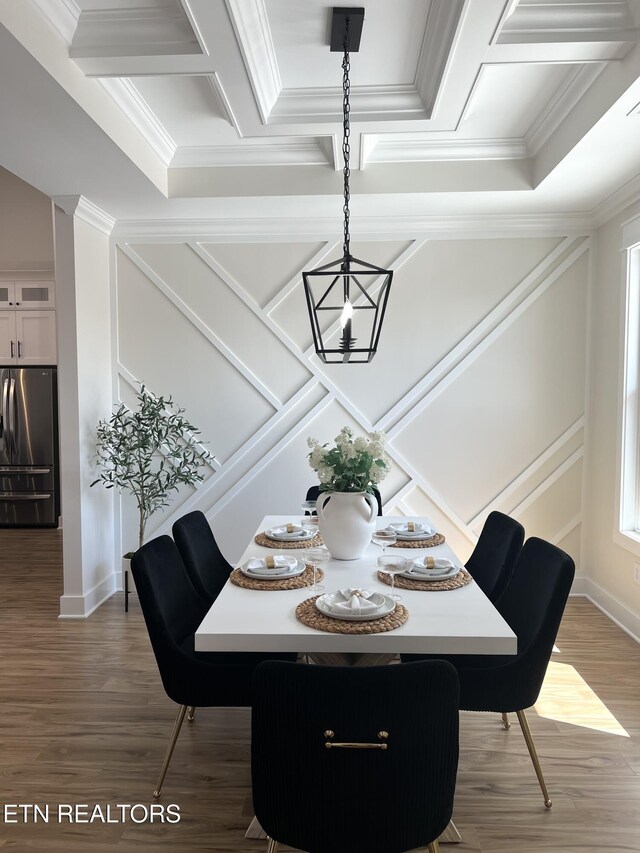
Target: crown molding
423,148
223,101
251,25
439,34
87,211
561,104
372,227
616,202
306,151
95,216
137,110
63,15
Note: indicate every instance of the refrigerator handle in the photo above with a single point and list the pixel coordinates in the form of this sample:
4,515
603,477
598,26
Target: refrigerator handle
12,411
4,417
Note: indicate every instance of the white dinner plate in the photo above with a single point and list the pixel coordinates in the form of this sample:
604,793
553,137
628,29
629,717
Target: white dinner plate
386,605
434,574
298,535
295,568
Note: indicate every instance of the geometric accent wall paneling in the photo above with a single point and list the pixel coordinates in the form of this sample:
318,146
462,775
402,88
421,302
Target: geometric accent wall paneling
479,381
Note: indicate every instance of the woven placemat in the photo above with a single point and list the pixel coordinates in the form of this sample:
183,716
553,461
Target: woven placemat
431,542
263,539
461,579
298,582
309,615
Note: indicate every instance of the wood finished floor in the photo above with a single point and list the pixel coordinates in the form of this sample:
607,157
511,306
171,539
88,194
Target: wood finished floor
83,719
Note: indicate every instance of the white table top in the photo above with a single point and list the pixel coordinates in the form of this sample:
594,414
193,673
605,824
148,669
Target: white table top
460,621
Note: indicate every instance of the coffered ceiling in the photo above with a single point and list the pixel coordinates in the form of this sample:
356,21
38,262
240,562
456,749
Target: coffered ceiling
450,98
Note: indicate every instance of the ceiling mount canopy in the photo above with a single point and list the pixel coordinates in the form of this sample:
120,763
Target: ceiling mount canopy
347,287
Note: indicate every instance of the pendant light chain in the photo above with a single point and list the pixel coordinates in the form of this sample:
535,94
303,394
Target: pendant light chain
346,148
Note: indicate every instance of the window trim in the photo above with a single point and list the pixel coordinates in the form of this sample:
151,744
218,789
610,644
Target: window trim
626,532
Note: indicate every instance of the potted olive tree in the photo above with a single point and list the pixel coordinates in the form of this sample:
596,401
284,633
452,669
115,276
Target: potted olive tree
149,452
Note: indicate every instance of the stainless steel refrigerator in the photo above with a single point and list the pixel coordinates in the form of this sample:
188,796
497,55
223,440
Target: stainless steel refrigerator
28,447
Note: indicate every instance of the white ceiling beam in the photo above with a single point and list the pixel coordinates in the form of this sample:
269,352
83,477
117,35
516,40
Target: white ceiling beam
29,40
611,85
561,52
418,148
476,27
568,21
305,151
141,31
136,65
368,103
442,22
426,178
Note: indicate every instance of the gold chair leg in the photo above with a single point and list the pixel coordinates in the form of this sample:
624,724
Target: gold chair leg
434,847
526,731
191,712
505,721
172,742
272,846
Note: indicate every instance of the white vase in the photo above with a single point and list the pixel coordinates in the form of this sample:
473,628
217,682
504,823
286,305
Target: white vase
346,521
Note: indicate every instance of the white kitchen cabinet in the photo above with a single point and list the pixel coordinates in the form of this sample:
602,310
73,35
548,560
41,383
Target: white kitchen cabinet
27,294
7,337
28,337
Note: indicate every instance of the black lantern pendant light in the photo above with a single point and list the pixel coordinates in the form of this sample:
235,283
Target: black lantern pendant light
353,291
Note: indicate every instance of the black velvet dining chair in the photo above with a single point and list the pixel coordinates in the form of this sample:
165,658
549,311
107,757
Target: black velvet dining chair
313,494
532,605
173,610
492,561
354,760
203,560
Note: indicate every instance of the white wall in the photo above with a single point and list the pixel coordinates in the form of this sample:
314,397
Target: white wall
479,379
610,567
85,390
26,228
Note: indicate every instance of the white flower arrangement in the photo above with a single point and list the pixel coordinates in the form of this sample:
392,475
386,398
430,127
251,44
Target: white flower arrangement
353,465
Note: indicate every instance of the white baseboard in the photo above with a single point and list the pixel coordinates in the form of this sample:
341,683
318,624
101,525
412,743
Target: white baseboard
81,606
579,585
611,606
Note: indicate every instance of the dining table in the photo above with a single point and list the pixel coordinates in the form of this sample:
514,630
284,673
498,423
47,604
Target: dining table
450,622
456,622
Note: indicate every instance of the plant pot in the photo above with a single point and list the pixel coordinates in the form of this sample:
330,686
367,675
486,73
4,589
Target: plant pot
346,521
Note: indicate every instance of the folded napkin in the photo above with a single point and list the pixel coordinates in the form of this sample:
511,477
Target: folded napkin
288,530
278,562
356,601
413,527
429,566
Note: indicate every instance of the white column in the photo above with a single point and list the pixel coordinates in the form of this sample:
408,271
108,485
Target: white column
81,239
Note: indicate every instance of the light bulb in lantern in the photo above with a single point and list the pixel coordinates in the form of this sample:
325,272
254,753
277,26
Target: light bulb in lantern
347,313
